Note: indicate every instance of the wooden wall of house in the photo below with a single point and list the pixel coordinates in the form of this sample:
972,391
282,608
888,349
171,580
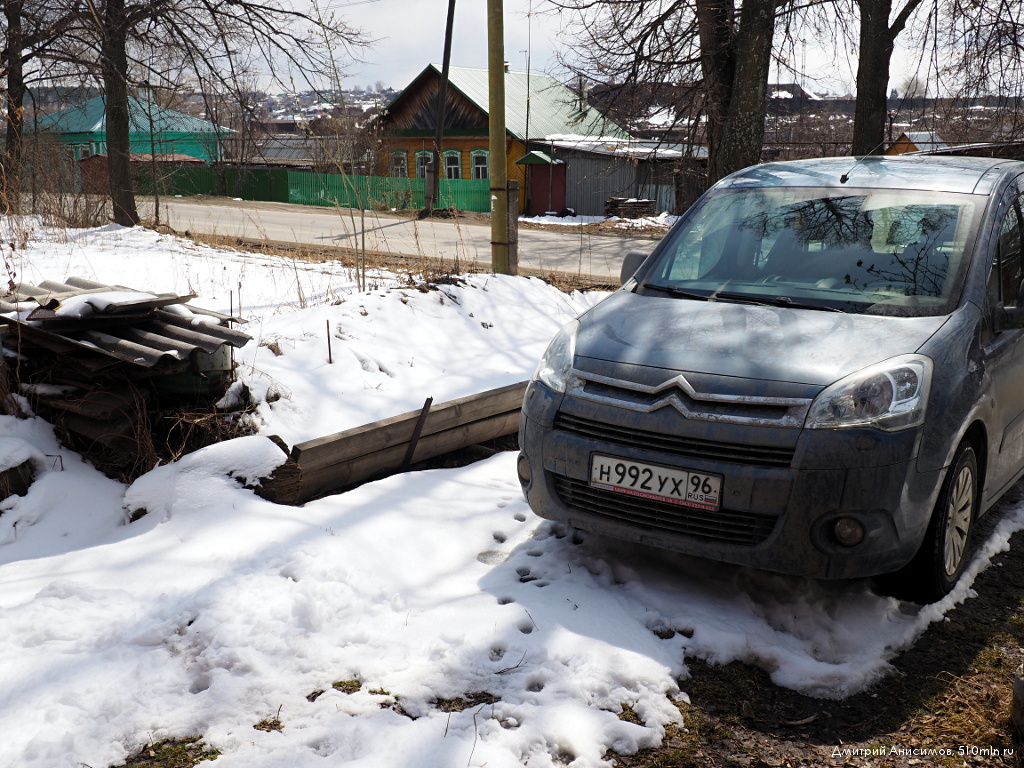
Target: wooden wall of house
515,149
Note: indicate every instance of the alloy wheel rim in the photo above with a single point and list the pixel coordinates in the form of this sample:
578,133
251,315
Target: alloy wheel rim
958,521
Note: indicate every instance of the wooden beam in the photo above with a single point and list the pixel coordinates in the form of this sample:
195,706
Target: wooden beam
331,477
398,430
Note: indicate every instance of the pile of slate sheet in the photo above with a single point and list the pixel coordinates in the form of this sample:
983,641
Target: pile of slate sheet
105,363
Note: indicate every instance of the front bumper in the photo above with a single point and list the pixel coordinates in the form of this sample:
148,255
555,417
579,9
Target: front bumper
782,489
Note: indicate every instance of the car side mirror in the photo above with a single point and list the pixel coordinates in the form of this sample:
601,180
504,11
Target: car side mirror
630,264
1009,317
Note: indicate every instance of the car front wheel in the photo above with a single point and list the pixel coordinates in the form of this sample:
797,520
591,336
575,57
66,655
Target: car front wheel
943,556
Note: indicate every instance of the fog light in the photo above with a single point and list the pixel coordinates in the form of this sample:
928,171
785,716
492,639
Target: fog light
523,469
848,531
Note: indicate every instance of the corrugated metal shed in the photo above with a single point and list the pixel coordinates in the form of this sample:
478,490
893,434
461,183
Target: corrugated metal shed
600,169
97,328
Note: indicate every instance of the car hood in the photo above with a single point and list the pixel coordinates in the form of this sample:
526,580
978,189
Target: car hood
755,342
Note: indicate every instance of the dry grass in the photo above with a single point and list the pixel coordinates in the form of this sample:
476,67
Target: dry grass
347,686
184,753
412,270
972,708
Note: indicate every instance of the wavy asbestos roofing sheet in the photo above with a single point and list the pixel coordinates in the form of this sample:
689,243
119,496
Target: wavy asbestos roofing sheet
100,327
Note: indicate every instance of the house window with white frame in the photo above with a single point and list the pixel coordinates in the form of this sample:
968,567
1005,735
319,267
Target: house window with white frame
399,165
423,159
452,164
479,166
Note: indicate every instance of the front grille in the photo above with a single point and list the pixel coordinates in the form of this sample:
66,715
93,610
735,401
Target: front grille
736,453
643,400
725,525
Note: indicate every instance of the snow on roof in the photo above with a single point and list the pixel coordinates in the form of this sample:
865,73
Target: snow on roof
647,149
922,139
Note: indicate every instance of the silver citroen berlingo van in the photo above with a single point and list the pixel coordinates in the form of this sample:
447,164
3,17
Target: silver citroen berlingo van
818,371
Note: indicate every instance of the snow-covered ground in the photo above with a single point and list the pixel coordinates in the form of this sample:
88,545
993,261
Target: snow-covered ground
218,610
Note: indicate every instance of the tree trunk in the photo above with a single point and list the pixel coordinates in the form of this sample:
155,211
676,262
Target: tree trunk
114,65
718,65
743,133
876,44
15,98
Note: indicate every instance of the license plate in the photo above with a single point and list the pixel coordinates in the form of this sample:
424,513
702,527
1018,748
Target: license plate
649,481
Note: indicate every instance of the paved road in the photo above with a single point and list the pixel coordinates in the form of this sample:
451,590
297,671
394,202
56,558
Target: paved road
594,256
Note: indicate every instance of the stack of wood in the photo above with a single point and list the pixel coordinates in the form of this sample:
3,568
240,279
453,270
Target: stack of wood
100,362
629,207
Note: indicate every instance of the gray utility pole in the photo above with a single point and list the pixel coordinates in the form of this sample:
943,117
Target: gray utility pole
498,171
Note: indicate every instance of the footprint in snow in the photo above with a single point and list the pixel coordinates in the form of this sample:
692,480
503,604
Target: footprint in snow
492,557
373,366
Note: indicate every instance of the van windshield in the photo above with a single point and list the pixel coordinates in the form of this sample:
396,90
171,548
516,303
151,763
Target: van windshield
893,252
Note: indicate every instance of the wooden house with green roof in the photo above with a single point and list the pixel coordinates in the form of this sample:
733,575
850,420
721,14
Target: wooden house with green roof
154,130
536,107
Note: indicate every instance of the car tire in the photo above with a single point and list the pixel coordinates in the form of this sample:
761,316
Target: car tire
945,551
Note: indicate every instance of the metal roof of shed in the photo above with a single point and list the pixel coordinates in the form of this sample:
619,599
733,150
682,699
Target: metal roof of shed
143,116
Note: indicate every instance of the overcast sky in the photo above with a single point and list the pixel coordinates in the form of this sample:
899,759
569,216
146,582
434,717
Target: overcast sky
411,35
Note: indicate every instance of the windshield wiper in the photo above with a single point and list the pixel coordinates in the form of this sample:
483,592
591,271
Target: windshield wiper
717,295
673,291
786,301
741,298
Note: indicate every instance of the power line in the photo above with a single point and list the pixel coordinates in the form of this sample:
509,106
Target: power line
332,6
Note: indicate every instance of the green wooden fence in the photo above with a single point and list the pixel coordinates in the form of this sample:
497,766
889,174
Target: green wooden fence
376,192
327,189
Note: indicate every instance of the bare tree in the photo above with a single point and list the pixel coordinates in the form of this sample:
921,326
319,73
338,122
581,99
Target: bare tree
988,38
877,39
217,40
30,32
715,53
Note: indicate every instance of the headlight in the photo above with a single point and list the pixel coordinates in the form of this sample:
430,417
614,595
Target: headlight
554,367
891,396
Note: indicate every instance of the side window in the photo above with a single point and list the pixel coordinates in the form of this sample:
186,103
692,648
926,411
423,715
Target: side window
1007,272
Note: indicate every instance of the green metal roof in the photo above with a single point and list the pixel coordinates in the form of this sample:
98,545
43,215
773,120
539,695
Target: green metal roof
536,157
554,109
143,117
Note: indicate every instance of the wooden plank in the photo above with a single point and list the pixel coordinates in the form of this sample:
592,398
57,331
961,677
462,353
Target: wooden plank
324,479
397,430
16,480
99,404
282,487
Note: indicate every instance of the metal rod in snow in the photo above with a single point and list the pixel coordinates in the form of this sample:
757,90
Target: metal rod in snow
417,430
330,357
